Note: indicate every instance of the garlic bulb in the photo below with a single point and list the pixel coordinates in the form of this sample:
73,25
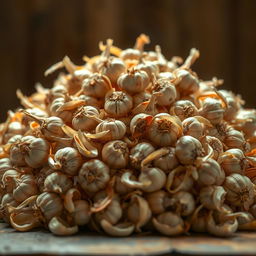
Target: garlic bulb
169,224
121,229
215,144
212,110
138,211
116,129
225,228
81,214
167,162
96,85
115,154
179,179
240,190
212,197
164,130
67,159
110,66
150,68
195,126
50,126
118,103
245,121
140,124
83,120
93,175
57,182
31,151
188,149
139,152
140,97
136,52
50,205
183,203
210,173
59,227
233,105
167,91
188,81
158,201
235,139
184,109
112,213
25,187
134,81
233,161
154,178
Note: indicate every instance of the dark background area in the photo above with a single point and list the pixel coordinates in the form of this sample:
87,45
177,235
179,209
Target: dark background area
38,33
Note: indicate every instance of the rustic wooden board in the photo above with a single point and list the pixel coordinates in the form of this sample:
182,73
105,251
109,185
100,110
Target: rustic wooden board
42,242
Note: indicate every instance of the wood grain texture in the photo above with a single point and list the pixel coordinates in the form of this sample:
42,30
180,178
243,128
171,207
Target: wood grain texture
41,242
38,33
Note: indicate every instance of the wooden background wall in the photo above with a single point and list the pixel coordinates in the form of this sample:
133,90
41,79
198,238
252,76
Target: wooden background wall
37,33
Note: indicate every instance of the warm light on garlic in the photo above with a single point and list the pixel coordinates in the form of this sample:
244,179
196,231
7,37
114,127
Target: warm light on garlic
129,142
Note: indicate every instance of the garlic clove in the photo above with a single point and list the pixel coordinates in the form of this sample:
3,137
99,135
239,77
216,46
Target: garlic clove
58,227
122,229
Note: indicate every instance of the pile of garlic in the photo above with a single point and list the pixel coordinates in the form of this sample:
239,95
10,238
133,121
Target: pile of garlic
129,142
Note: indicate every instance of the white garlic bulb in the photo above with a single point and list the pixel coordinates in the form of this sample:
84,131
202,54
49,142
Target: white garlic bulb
93,175
164,130
188,149
116,129
115,154
67,159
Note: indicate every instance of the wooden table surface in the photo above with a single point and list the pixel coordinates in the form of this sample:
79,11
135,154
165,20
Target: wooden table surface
40,242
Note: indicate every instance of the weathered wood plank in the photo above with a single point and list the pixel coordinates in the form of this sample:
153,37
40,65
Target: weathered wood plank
43,242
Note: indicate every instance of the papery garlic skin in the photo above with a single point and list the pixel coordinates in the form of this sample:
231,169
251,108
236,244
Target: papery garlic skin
183,203
57,227
140,97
